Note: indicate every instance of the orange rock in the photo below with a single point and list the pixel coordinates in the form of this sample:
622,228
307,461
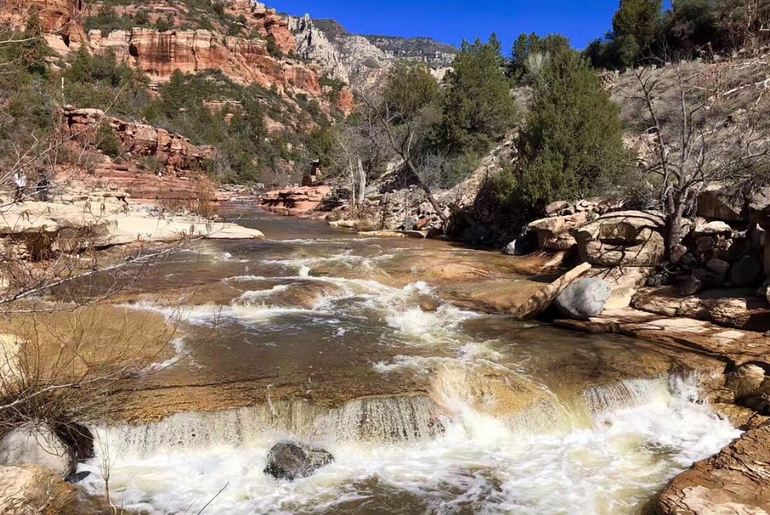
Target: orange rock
60,18
346,102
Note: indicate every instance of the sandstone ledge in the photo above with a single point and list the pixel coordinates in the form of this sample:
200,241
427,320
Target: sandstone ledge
733,346
106,222
735,481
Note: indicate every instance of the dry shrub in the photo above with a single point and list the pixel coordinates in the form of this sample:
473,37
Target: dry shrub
57,365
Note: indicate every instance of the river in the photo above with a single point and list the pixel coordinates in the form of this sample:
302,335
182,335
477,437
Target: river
390,355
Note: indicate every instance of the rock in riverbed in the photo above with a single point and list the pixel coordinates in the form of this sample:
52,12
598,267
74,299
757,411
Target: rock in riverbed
37,444
292,460
584,298
736,481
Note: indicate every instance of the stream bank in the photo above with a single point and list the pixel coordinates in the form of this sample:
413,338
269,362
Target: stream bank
395,355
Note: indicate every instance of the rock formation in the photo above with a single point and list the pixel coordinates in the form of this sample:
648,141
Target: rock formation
737,480
174,152
297,201
60,19
363,61
267,22
160,54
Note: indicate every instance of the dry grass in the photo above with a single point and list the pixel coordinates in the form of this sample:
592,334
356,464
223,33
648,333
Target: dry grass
58,366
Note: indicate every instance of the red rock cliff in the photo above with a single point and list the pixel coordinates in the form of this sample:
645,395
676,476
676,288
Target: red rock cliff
266,21
59,18
160,54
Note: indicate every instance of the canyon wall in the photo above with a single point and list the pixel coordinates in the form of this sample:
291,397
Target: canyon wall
60,19
246,61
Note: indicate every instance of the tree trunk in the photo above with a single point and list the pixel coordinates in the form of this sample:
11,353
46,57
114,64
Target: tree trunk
429,194
674,234
361,183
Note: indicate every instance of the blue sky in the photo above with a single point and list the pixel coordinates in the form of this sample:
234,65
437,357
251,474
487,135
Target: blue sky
451,21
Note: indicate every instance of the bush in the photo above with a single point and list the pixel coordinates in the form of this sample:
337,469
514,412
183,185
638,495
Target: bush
107,141
272,47
571,146
478,106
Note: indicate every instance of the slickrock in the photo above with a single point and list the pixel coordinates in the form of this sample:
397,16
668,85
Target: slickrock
739,309
735,481
296,201
733,346
41,228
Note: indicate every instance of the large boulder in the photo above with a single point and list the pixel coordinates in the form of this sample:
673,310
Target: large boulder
717,204
544,297
37,444
625,238
553,232
292,460
703,228
584,298
746,272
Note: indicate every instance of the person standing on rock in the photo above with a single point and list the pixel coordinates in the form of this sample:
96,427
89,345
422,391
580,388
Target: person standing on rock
43,187
20,180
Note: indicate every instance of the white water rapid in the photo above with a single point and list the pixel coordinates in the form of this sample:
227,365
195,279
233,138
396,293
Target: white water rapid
436,409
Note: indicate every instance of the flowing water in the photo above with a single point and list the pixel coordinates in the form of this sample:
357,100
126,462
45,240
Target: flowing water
384,353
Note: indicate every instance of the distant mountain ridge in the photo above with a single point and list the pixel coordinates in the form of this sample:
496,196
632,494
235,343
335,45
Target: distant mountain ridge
417,48
362,60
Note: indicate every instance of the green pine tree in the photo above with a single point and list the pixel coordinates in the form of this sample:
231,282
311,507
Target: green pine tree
572,144
636,25
478,106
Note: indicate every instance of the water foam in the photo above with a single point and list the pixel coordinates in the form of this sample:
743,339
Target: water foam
479,463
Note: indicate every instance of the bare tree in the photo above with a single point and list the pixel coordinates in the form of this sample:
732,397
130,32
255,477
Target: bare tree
405,133
691,151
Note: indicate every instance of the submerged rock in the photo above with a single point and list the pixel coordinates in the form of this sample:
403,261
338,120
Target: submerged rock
292,460
37,444
584,299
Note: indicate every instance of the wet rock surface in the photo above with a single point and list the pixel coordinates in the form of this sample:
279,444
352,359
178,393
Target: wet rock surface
294,460
737,481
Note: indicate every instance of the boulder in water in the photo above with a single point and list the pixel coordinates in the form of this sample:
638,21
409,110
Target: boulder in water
520,247
478,234
37,444
292,460
584,298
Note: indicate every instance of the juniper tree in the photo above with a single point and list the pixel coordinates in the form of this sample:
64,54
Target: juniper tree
571,145
478,106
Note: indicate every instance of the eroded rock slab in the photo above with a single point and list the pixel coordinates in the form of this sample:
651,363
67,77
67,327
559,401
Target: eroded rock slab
735,481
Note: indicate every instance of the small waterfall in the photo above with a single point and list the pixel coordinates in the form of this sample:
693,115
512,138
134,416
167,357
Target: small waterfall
527,407
625,394
380,419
